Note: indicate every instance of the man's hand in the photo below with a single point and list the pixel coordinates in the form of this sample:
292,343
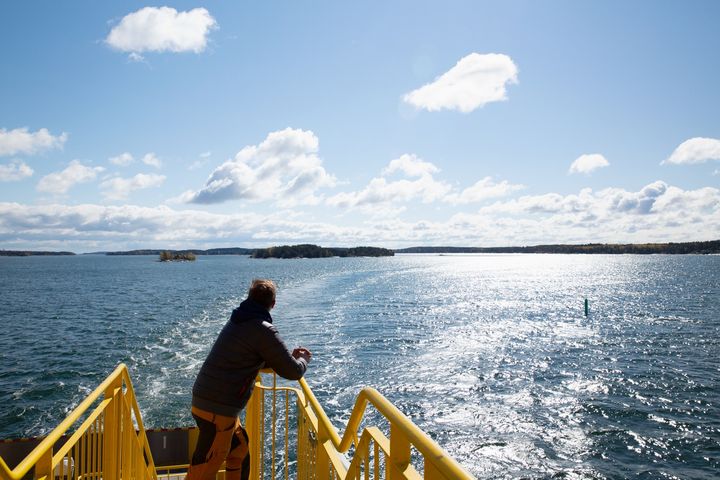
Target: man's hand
302,352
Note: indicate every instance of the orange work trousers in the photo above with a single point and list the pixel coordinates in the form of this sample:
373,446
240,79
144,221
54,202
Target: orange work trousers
221,439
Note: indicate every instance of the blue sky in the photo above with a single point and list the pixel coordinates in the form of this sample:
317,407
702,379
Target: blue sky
178,125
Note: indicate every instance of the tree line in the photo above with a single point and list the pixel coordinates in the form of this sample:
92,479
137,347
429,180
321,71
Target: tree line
710,247
315,251
28,253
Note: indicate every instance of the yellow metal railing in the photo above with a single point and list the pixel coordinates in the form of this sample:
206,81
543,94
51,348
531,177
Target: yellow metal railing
288,439
321,454
109,444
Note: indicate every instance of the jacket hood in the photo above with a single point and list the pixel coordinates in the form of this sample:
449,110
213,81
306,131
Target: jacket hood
250,310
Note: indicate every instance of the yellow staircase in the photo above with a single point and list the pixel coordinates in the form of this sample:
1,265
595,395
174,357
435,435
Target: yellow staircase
290,437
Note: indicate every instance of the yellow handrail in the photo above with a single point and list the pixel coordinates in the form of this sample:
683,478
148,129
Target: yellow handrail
325,457
445,464
111,427
111,442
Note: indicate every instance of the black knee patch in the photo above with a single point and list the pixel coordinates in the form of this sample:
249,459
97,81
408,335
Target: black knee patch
205,440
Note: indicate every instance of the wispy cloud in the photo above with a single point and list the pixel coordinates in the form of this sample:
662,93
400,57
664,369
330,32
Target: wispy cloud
136,57
284,168
162,29
122,160
118,188
588,163
23,141
126,158
482,190
152,160
14,171
204,157
473,82
61,182
381,192
695,150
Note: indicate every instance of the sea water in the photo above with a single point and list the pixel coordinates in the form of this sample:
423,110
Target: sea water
492,355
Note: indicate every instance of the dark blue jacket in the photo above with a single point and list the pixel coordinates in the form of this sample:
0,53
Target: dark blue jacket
247,343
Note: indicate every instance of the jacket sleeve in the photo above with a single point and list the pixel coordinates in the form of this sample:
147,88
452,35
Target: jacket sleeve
277,356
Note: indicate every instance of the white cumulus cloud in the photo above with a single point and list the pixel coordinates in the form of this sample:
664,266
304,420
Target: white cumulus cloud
695,150
15,170
284,168
162,29
658,212
122,160
608,204
410,165
587,163
61,182
642,202
118,188
381,193
482,190
474,81
23,141
152,160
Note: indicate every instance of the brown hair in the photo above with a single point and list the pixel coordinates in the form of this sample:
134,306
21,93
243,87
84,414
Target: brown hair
263,292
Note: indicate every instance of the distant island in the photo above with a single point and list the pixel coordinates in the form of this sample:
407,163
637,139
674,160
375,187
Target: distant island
168,256
30,253
315,251
712,247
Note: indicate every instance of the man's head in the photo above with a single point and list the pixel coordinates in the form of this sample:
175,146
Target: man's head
263,292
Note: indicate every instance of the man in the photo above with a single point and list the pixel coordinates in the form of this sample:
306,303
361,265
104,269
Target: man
247,343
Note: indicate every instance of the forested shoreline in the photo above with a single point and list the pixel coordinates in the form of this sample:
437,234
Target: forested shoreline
711,247
315,251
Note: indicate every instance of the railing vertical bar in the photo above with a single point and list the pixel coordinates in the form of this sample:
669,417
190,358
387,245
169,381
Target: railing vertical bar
366,462
91,452
77,456
262,437
98,464
376,466
125,455
96,450
74,455
300,443
272,426
96,442
83,468
87,460
287,432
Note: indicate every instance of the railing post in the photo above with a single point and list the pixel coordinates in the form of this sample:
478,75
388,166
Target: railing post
111,432
301,440
43,467
252,426
399,452
322,465
431,471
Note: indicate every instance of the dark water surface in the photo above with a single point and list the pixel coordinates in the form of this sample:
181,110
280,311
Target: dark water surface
490,354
